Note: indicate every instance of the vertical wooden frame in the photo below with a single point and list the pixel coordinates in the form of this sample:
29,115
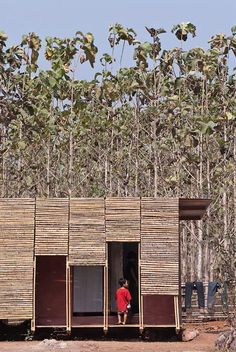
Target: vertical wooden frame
104,297
139,273
176,307
68,297
141,303
34,274
106,292
105,327
139,287
68,274
68,294
34,289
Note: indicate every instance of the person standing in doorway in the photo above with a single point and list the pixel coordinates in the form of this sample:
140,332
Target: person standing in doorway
131,274
123,298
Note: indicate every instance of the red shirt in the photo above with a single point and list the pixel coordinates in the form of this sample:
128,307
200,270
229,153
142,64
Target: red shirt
123,298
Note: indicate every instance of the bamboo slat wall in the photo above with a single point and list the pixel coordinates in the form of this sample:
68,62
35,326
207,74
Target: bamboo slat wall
160,246
51,236
87,232
80,229
123,219
16,258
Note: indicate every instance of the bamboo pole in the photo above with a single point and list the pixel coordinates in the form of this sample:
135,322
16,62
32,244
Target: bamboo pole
106,291
142,322
34,287
67,296
104,297
139,287
176,308
69,300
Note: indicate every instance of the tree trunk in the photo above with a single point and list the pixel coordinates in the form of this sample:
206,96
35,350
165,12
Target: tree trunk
110,164
48,169
155,165
71,150
4,188
200,223
106,174
19,163
224,198
207,266
136,183
234,156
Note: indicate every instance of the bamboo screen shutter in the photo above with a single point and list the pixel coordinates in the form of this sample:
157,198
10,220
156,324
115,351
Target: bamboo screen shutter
160,246
16,258
123,219
87,231
51,236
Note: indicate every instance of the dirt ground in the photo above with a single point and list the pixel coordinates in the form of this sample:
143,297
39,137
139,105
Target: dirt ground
203,343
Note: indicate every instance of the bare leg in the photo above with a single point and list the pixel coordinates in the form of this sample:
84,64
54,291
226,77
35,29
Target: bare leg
119,318
125,318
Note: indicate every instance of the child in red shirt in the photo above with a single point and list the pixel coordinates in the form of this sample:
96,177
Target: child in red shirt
123,298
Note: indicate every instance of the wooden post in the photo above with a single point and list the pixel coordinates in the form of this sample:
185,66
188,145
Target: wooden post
34,287
141,328
106,292
176,308
68,296
139,288
104,298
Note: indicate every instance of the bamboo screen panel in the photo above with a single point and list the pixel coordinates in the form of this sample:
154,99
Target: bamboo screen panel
160,246
16,258
123,219
87,231
51,226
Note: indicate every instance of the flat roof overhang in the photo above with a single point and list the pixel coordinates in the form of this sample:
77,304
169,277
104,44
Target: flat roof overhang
193,209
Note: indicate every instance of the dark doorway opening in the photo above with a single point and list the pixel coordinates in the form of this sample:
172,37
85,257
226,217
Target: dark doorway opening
50,291
123,261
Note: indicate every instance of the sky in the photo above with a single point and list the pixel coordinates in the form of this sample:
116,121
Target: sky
63,18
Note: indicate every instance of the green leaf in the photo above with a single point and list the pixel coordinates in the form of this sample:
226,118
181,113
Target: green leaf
3,36
183,29
233,30
52,81
34,56
229,116
29,181
21,145
208,128
89,37
106,58
179,82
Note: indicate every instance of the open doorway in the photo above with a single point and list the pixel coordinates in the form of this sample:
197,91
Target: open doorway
88,296
123,262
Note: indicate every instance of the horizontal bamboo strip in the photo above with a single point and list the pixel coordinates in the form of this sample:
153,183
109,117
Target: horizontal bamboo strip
123,219
16,258
87,231
160,246
51,236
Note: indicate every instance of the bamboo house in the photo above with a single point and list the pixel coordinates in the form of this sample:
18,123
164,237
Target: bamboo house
61,259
